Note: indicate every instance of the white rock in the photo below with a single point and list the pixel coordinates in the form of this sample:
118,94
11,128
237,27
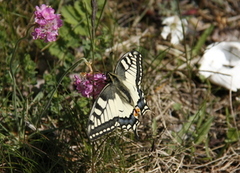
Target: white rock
221,64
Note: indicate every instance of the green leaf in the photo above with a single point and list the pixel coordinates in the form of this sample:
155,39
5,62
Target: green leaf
177,106
203,131
77,16
70,15
233,135
154,127
83,9
202,40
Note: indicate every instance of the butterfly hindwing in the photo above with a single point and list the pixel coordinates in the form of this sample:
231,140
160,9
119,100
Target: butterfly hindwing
121,101
107,111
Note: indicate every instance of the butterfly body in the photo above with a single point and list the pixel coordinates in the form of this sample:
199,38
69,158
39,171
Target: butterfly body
121,101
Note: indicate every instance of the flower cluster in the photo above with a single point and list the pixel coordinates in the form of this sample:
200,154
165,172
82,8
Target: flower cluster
90,84
47,23
173,26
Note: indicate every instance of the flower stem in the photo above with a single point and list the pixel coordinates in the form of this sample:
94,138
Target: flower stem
14,85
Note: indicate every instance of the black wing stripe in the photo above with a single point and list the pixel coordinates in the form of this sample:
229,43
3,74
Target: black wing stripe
104,128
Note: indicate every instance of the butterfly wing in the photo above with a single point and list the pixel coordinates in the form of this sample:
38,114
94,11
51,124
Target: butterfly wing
121,101
106,111
129,69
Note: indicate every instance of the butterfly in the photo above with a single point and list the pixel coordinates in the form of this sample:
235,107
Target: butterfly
121,101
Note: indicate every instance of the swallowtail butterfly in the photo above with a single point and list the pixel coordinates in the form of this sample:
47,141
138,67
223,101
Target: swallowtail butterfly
121,101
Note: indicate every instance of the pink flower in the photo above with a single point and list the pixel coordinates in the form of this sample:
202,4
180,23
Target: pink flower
47,23
90,84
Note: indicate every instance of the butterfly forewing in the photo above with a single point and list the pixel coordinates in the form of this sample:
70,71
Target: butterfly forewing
129,68
116,105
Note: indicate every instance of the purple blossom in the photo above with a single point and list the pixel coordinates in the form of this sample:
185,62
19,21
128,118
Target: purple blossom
90,84
47,23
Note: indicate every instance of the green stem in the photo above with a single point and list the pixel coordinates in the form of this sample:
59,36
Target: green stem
14,94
